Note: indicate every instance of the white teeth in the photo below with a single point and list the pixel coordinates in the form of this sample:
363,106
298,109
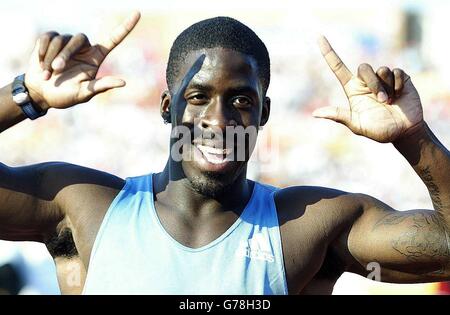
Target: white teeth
214,155
211,150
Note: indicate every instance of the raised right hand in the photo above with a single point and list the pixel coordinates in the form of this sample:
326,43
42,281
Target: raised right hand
62,69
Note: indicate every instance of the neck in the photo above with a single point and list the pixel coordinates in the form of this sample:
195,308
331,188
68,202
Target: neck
176,192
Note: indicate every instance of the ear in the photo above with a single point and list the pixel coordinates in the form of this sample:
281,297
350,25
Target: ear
265,111
165,106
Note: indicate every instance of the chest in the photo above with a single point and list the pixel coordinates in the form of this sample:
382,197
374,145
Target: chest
194,231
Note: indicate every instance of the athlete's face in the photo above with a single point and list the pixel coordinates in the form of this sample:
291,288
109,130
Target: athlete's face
224,97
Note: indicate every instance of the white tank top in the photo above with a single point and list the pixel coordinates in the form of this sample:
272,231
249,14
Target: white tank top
133,253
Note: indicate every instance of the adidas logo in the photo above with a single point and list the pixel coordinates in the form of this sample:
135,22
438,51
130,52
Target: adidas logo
256,248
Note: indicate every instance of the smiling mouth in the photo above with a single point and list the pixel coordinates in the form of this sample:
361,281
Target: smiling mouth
215,155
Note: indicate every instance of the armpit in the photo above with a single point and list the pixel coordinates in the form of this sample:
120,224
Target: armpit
62,245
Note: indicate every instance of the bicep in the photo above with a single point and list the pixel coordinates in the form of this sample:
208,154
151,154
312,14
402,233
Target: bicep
408,246
25,210
35,198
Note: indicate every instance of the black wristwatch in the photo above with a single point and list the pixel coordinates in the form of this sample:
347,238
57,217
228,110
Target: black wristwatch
22,98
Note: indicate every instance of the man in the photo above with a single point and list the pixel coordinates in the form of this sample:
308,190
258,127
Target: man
200,226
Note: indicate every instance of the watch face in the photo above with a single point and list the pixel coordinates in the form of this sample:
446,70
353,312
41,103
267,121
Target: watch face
21,98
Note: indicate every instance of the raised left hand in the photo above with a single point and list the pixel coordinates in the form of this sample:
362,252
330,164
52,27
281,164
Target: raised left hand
383,105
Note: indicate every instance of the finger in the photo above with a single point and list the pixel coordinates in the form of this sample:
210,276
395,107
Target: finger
91,88
119,33
35,53
179,94
366,74
334,62
338,114
400,77
55,46
44,41
387,79
75,44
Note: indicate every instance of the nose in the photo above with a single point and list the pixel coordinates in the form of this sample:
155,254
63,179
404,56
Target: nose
217,115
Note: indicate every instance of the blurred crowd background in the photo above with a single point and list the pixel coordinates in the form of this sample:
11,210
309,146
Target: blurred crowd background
121,131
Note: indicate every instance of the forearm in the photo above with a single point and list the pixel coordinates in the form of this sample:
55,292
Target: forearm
10,112
431,161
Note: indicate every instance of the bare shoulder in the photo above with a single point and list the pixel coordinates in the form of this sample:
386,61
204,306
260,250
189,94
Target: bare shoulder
311,220
327,207
71,184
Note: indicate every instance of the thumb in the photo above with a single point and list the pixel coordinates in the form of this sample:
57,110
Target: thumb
34,57
35,52
100,85
336,113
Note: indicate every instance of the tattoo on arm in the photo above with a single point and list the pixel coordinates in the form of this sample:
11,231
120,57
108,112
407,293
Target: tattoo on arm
427,178
424,239
390,219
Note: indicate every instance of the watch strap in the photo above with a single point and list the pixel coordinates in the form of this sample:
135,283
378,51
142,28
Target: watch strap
29,109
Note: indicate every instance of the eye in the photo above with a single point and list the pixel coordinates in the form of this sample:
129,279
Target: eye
197,99
242,102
